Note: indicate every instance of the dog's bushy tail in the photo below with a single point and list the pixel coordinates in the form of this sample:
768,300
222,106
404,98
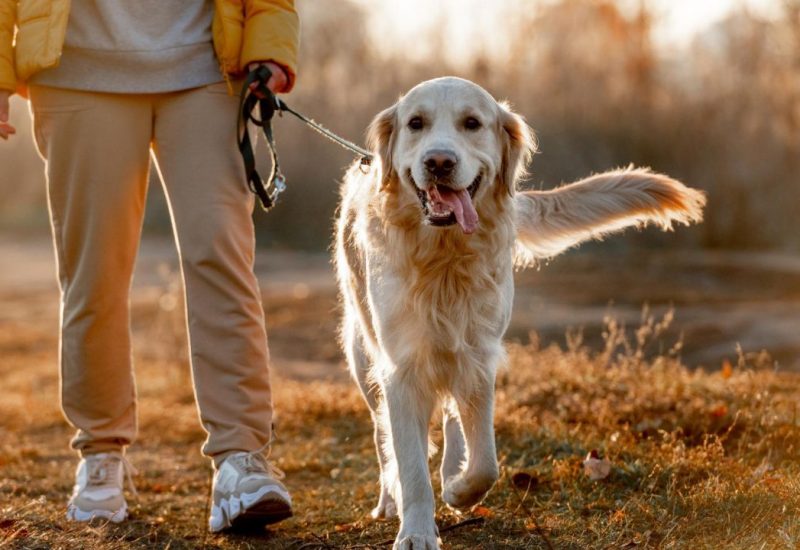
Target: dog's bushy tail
549,222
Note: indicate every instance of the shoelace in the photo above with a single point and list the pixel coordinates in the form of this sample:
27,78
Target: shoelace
256,462
99,469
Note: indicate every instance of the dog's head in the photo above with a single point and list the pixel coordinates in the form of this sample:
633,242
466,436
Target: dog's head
450,144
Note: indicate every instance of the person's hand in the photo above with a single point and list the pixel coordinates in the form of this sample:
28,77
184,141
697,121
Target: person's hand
277,82
5,128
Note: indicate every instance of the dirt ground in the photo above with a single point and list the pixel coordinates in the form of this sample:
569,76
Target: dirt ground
700,457
721,300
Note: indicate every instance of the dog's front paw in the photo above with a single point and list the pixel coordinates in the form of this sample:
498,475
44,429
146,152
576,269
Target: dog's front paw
462,492
416,542
417,533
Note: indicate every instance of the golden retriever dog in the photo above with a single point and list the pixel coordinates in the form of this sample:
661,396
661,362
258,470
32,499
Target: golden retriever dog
427,242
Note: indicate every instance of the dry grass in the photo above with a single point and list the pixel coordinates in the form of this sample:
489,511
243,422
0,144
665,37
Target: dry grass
700,460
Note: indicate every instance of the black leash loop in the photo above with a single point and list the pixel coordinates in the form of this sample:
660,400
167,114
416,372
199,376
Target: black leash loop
247,104
268,106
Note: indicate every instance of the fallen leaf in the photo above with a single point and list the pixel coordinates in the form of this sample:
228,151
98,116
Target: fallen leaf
596,468
482,512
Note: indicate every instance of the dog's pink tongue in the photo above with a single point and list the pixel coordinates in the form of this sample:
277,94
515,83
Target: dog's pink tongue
460,203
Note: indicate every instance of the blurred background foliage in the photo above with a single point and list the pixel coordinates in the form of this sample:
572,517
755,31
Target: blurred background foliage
721,112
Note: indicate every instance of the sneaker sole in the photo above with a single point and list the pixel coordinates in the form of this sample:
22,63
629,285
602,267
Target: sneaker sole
250,510
265,512
76,514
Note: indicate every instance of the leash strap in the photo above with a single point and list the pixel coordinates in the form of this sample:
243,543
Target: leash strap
268,106
366,156
247,104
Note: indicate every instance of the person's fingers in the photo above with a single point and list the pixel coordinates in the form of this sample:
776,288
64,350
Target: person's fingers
6,129
278,81
256,92
253,87
275,85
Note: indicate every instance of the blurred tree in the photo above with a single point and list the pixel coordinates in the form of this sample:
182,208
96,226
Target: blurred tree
722,114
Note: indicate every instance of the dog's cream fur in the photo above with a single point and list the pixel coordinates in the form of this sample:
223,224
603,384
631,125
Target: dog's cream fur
425,308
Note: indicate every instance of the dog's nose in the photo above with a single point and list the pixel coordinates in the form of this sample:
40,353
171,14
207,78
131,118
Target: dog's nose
440,162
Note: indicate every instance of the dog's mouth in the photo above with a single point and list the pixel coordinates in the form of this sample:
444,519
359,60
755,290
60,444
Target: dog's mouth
444,206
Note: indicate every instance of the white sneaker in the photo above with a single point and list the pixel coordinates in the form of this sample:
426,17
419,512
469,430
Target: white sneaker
98,488
247,494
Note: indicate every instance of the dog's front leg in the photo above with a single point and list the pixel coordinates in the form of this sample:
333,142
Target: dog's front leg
409,410
476,412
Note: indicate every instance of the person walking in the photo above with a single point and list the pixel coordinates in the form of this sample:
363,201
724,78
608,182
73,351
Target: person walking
109,82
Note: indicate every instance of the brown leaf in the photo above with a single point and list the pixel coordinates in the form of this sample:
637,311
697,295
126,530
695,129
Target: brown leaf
482,512
596,468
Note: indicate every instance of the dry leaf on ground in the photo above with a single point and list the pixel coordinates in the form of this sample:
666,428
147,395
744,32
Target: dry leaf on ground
596,468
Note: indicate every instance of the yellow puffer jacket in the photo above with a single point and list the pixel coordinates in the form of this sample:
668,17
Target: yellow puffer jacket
32,36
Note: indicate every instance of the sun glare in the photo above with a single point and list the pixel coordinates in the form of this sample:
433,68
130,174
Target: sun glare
680,20
455,29
459,29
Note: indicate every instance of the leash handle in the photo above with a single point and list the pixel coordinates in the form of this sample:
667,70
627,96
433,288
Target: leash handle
276,184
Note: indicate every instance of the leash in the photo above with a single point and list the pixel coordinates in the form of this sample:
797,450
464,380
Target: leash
268,106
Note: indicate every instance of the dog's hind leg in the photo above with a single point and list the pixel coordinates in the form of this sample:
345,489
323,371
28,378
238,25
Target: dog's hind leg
359,366
454,445
467,488
386,507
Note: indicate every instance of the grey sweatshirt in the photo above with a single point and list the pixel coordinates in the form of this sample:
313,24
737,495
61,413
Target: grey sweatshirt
136,46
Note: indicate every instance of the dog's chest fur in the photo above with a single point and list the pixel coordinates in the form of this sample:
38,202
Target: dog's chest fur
445,297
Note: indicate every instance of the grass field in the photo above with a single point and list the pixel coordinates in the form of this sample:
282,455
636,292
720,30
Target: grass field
699,458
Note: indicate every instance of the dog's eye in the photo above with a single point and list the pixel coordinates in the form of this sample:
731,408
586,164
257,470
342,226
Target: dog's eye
415,123
472,123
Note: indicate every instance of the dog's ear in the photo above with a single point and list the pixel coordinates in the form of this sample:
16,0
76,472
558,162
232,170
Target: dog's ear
519,145
380,139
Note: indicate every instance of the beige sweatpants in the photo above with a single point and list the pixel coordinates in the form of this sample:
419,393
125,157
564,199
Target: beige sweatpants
97,150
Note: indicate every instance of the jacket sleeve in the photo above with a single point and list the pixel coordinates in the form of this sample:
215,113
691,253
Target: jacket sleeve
8,17
271,32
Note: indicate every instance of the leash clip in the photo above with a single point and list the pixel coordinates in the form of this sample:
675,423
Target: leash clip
278,186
